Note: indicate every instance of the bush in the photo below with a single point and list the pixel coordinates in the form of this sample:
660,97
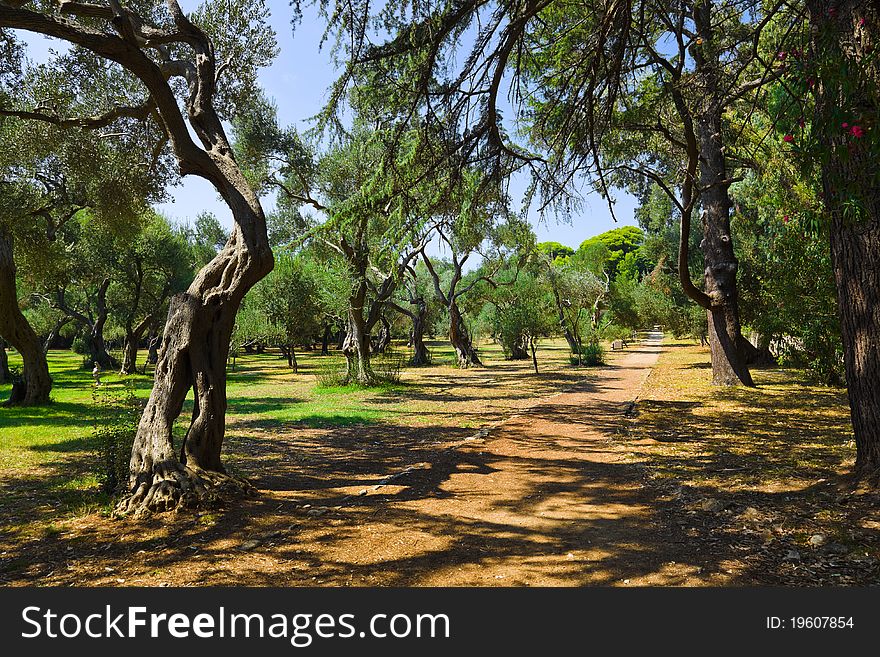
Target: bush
329,375
387,367
116,413
592,353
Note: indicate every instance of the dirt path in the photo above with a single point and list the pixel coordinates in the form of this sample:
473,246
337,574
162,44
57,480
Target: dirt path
549,496
545,498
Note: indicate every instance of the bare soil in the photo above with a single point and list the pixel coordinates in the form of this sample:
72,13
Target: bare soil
566,491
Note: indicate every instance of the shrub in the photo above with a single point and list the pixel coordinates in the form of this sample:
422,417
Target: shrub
116,412
592,353
387,367
329,375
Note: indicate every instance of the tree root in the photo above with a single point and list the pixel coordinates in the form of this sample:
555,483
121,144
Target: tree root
177,487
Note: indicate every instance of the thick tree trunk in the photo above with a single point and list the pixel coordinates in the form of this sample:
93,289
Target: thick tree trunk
35,384
461,339
193,357
356,346
421,356
519,349
855,252
129,354
383,339
848,38
728,365
5,374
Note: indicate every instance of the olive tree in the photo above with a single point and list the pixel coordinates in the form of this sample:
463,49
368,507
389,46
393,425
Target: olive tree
187,73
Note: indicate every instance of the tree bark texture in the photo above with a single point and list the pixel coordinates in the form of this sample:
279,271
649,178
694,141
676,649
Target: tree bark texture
846,35
460,338
36,383
728,364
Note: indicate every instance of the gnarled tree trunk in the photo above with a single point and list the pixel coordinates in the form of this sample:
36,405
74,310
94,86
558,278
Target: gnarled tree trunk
93,325
35,384
383,339
200,321
133,337
519,348
356,345
461,339
421,356
193,356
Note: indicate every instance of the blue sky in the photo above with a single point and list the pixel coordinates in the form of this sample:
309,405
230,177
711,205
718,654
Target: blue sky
298,81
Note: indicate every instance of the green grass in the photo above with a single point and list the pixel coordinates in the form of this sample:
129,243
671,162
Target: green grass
49,461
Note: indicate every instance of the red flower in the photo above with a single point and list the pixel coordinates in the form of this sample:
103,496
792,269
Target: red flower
856,131
785,219
788,139
844,125
862,21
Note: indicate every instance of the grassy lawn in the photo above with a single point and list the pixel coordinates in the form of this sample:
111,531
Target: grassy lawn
48,456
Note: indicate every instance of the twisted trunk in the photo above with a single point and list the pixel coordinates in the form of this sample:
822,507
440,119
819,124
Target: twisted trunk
461,339
421,356
93,325
35,384
383,339
200,321
133,337
519,348
193,357
356,345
